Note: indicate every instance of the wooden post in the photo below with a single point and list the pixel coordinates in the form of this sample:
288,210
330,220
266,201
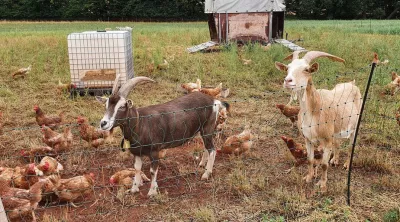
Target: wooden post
3,216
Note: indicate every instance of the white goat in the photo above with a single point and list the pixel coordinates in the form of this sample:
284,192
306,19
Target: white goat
325,115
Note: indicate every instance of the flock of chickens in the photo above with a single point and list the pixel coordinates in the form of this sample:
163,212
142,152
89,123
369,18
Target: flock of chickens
23,187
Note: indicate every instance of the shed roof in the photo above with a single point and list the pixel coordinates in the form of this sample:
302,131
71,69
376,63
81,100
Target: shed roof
239,6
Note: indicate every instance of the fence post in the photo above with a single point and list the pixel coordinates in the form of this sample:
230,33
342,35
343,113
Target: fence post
373,65
3,216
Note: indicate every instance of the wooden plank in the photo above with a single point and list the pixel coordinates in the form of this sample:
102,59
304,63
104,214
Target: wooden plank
99,74
201,46
289,45
3,216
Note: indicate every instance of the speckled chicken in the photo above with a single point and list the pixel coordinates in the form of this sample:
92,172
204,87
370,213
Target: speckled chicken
72,188
49,165
238,144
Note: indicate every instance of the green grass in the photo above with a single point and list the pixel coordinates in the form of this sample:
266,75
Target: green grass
250,188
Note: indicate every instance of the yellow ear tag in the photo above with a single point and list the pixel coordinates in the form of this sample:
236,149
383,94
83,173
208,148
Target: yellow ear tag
127,144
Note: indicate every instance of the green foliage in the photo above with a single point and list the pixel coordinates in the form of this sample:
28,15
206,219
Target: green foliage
102,9
343,9
392,215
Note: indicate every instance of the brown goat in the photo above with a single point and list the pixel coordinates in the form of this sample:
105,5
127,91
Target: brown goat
155,128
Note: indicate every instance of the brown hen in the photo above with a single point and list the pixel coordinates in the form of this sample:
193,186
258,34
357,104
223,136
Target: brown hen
58,141
49,165
300,153
51,121
290,112
238,144
95,137
215,93
71,189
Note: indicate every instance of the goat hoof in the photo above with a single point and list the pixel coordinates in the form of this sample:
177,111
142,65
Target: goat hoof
153,192
334,162
205,176
322,186
133,190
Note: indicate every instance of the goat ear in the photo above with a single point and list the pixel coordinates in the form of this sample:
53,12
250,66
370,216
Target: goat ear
101,99
281,66
313,68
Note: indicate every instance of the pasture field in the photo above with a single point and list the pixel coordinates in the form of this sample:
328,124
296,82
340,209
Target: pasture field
252,187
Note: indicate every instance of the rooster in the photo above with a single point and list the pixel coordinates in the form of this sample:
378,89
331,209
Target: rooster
238,144
51,121
289,111
215,93
59,141
22,72
49,165
71,189
192,87
37,152
300,154
90,134
20,202
65,87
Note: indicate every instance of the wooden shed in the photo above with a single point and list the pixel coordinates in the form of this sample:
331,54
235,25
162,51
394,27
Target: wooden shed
245,20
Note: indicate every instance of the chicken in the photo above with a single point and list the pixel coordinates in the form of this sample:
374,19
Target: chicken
238,144
72,188
289,111
21,177
124,178
192,87
49,165
65,87
216,92
36,153
51,121
222,116
95,137
300,153
20,202
378,62
22,72
58,141
163,66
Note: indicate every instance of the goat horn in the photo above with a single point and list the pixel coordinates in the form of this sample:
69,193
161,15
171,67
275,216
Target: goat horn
294,55
130,84
115,86
310,56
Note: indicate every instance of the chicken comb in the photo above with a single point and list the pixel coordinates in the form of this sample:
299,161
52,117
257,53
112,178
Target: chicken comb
92,175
